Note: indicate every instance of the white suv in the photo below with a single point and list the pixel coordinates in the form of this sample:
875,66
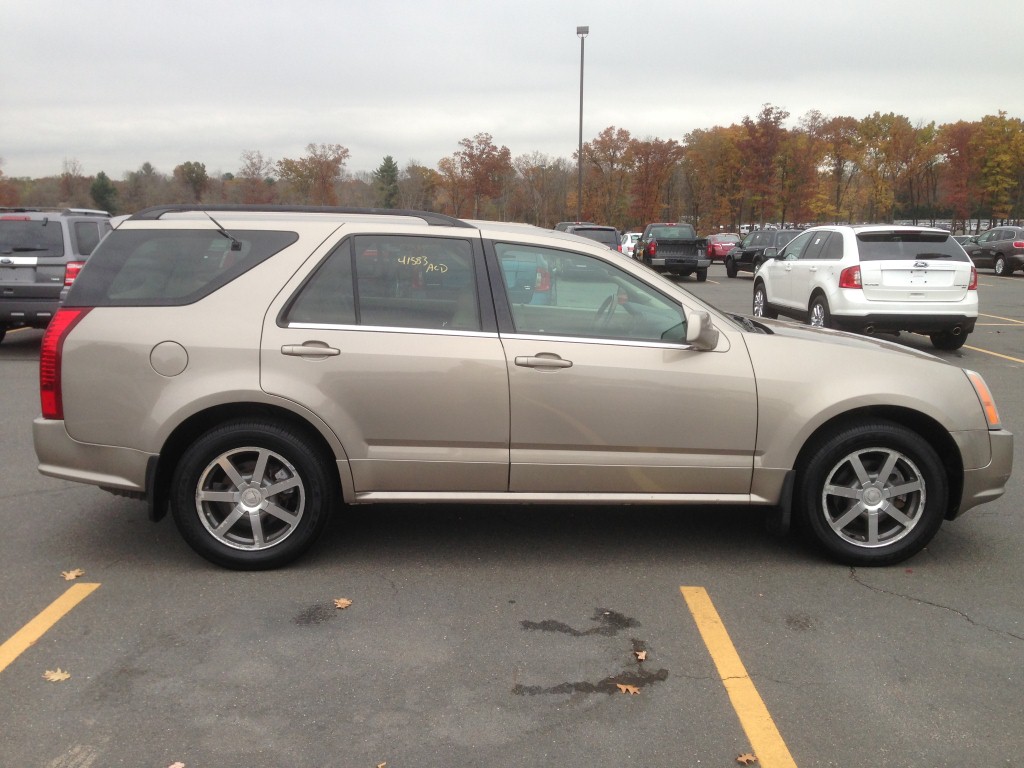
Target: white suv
873,278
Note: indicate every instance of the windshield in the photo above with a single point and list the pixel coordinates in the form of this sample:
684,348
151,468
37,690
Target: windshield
41,237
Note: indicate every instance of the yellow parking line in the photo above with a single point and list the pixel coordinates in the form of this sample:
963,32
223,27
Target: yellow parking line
764,737
25,637
994,354
1007,319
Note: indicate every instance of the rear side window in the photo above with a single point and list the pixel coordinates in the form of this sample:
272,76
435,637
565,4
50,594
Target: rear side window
38,237
142,268
87,236
902,245
392,281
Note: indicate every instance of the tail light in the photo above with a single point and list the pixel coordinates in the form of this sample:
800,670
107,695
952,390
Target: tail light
543,282
50,352
850,278
652,248
71,270
973,285
1019,244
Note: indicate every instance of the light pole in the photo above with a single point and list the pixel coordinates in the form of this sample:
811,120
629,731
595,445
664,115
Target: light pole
582,33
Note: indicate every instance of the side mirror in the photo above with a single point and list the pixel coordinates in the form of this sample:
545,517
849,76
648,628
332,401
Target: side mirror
700,331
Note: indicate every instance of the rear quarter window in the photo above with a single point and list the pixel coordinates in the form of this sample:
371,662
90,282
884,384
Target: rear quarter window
909,246
139,268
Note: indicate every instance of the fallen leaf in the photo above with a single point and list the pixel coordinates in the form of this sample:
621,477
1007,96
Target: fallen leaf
746,759
57,675
641,655
382,765
176,765
632,690
72,575
342,603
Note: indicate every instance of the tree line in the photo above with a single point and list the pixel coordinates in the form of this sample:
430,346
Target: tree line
880,168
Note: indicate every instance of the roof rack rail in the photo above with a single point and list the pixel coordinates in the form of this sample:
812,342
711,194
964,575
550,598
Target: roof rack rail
433,219
54,209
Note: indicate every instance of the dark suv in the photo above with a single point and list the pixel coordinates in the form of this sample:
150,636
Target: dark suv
605,235
1002,249
750,254
41,251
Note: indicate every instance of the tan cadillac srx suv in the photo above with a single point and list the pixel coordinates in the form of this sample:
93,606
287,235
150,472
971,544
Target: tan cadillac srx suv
254,370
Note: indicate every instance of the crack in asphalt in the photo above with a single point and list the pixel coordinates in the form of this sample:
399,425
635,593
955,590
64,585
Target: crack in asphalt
854,576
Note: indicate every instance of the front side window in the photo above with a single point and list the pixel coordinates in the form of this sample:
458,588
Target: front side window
583,296
792,250
392,281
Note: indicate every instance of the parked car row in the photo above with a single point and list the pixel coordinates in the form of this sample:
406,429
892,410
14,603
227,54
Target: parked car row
1000,249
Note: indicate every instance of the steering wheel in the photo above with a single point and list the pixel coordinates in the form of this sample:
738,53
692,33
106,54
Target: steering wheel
604,313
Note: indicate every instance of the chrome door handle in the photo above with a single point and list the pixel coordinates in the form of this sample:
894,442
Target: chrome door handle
315,349
542,361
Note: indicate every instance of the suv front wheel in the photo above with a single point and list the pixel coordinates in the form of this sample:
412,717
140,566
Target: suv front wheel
872,494
252,494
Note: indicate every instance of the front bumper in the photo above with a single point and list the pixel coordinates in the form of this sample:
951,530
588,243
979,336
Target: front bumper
986,483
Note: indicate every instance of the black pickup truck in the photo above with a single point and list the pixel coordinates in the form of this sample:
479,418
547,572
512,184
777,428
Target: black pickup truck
669,247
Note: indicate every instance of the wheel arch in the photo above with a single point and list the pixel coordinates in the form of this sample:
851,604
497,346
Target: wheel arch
932,431
195,425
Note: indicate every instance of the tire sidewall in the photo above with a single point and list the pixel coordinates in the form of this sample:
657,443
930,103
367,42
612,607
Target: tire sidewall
825,454
319,487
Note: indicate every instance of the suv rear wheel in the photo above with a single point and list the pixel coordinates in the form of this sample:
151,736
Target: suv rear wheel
819,316
872,494
251,494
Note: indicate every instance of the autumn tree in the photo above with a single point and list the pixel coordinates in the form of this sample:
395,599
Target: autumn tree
760,148
73,184
417,187
482,167
608,162
385,182
998,140
840,141
653,164
713,167
8,193
192,176
314,175
254,178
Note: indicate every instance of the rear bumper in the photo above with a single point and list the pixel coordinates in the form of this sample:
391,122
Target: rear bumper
110,467
928,323
36,313
681,262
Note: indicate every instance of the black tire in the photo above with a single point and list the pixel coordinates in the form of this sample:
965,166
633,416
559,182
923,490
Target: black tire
853,513
761,306
702,275
999,266
818,314
946,340
250,525
731,270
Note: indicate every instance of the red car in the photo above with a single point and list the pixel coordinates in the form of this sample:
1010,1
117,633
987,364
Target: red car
721,244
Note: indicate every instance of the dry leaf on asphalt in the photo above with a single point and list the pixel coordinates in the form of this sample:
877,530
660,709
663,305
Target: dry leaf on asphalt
176,765
57,675
746,759
632,690
342,602
72,575
641,655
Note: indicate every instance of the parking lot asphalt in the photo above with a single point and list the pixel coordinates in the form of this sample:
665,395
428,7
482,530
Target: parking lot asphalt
500,636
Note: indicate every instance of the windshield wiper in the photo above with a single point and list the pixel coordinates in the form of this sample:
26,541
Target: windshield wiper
236,245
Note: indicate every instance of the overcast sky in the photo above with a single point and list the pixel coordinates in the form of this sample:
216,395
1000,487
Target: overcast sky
112,84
